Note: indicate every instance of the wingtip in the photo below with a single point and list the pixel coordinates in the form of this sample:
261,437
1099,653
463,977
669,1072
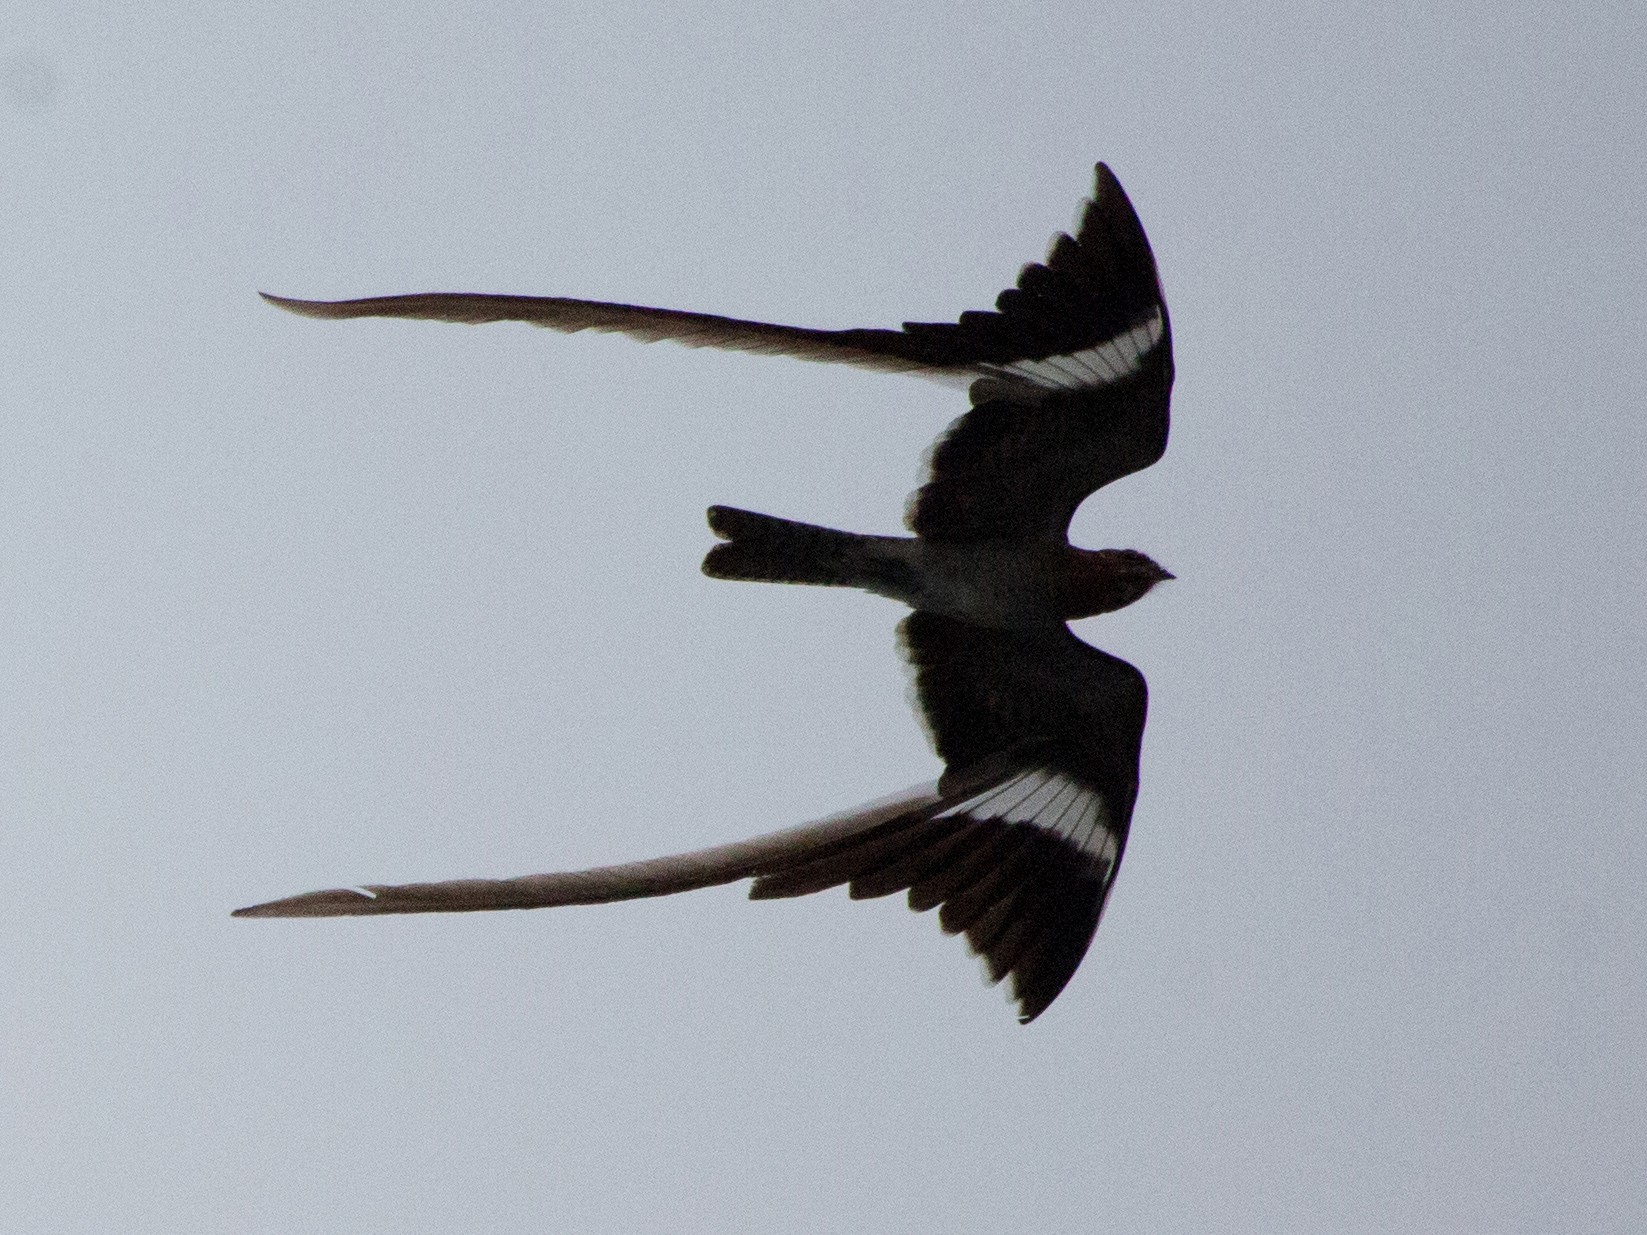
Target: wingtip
1107,187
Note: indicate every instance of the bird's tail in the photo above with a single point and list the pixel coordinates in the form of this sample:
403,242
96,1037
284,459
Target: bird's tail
772,550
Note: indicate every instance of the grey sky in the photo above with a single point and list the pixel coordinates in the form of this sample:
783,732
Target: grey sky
286,604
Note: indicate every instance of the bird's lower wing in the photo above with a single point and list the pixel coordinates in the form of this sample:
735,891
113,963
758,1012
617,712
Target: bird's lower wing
684,872
1016,859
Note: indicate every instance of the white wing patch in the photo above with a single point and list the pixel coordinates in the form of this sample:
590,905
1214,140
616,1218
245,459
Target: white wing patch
1103,365
1050,801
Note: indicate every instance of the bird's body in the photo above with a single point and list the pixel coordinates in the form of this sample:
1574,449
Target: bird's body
1019,841
999,583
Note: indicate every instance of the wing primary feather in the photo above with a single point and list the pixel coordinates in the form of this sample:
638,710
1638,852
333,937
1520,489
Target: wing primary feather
1041,975
1055,824
1027,928
937,888
969,904
815,874
916,865
685,872
995,921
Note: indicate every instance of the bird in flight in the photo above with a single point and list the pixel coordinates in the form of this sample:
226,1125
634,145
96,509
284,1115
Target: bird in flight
1017,844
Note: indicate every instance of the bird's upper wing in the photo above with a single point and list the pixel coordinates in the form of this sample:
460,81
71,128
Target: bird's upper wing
886,350
1017,470
1073,321
1087,405
1018,843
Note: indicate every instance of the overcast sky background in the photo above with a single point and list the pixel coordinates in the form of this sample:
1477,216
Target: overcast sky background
286,604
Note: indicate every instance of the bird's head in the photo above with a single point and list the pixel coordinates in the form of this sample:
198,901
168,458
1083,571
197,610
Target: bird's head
1103,580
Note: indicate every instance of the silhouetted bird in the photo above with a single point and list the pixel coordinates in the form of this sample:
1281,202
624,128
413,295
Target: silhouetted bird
1019,841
